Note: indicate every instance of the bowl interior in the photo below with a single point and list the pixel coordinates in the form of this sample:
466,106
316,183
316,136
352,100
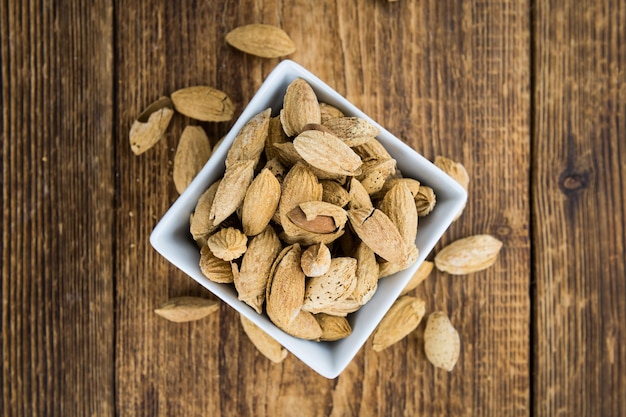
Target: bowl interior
171,236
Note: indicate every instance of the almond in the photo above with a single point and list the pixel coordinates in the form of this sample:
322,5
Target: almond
333,327
378,232
231,190
265,344
199,224
250,141
328,111
183,309
354,131
366,274
214,268
327,152
228,244
442,344
285,288
315,261
402,318
192,153
335,285
425,200
334,193
151,125
251,282
419,276
203,103
260,203
300,107
468,255
265,41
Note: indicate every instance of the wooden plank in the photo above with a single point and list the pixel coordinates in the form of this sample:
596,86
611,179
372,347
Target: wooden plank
450,78
579,159
57,198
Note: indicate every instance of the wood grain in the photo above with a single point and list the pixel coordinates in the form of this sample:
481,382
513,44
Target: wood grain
579,177
448,78
57,199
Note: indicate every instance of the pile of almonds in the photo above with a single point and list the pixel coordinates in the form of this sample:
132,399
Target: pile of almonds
311,212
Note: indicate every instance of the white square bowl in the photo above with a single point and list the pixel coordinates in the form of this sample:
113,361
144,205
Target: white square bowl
171,237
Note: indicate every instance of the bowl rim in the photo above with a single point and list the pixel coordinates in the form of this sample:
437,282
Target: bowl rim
169,226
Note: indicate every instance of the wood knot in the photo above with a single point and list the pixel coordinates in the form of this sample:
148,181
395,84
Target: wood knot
571,182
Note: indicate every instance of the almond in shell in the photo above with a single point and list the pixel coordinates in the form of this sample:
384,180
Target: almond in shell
260,203
199,224
468,255
231,190
327,152
214,268
151,125
354,131
336,284
378,232
250,142
184,309
193,151
315,260
333,327
265,344
285,288
228,243
251,282
300,107
442,344
265,41
328,111
203,103
402,318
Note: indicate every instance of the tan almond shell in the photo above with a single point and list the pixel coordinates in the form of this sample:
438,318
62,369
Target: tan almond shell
419,276
468,255
454,169
231,190
354,131
285,288
334,193
313,209
372,149
425,200
228,243
327,152
256,264
300,107
150,126
366,274
264,343
265,41
328,111
333,327
288,156
374,174
359,197
192,153
403,317
315,260
250,141
399,205
304,326
342,307
335,285
413,185
300,185
386,268
199,224
260,203
184,309
378,232
203,103
214,268
442,343
275,134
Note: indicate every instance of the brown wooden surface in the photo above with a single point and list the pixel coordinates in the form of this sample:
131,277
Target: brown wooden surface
529,95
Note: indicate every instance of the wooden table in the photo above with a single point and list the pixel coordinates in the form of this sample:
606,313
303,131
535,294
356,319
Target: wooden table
530,96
